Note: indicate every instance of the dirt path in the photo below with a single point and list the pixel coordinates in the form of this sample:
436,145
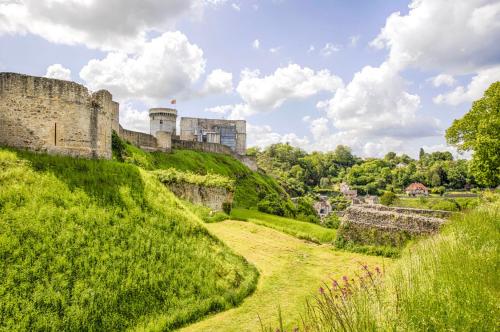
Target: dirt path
290,271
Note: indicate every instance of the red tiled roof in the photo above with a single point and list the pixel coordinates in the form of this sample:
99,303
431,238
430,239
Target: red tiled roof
416,186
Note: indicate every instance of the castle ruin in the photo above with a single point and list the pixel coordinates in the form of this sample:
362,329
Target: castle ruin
63,117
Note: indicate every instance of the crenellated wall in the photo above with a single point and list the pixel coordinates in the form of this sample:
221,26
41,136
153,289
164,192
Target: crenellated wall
55,116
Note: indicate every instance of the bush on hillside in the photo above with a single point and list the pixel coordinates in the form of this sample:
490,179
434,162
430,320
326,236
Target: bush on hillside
388,198
331,221
172,175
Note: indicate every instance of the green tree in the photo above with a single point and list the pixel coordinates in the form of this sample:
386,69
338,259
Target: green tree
421,154
479,131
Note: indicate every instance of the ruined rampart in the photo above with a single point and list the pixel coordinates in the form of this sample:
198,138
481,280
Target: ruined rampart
55,116
142,140
212,197
379,225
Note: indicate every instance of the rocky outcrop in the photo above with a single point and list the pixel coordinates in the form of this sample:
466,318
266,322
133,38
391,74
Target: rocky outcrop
381,225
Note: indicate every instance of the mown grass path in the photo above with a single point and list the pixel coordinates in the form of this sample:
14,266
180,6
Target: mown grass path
290,271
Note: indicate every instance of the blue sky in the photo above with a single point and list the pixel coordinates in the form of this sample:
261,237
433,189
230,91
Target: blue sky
378,76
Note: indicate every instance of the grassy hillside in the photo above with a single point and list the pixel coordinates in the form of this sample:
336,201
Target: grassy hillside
300,229
103,245
448,282
250,187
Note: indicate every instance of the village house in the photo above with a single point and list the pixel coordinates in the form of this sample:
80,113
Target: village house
417,189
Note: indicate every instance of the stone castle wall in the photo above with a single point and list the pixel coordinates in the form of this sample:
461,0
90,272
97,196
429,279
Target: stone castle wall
380,225
55,116
201,146
212,197
141,140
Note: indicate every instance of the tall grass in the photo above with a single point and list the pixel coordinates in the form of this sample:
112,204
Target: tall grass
101,245
445,283
300,229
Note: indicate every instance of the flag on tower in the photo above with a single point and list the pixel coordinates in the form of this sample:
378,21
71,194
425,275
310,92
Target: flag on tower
173,102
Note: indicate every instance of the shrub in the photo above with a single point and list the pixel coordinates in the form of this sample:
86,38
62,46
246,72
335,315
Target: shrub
438,190
331,221
447,205
226,207
339,203
388,198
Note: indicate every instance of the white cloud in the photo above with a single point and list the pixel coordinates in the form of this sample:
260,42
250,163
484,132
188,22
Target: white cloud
107,25
235,7
311,49
291,82
132,119
233,111
319,128
263,136
59,72
164,67
456,36
443,79
474,90
275,50
375,103
329,49
256,44
353,40
218,81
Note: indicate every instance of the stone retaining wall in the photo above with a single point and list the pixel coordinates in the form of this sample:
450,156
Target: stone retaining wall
380,225
212,197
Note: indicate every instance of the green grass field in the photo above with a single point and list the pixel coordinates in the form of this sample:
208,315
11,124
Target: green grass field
300,229
290,270
102,245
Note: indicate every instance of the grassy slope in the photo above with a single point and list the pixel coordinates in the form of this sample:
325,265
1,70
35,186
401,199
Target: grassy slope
249,185
102,245
448,282
300,229
290,270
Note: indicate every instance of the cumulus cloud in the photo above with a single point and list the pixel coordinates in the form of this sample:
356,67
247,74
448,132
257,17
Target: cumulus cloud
375,103
263,136
107,25
59,72
163,67
256,44
218,81
467,38
443,79
474,90
235,7
291,82
132,119
233,111
319,128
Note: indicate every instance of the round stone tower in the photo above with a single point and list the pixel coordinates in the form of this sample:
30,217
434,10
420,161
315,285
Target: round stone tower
162,119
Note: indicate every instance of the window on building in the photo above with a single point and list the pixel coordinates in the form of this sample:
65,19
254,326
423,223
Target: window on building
161,121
